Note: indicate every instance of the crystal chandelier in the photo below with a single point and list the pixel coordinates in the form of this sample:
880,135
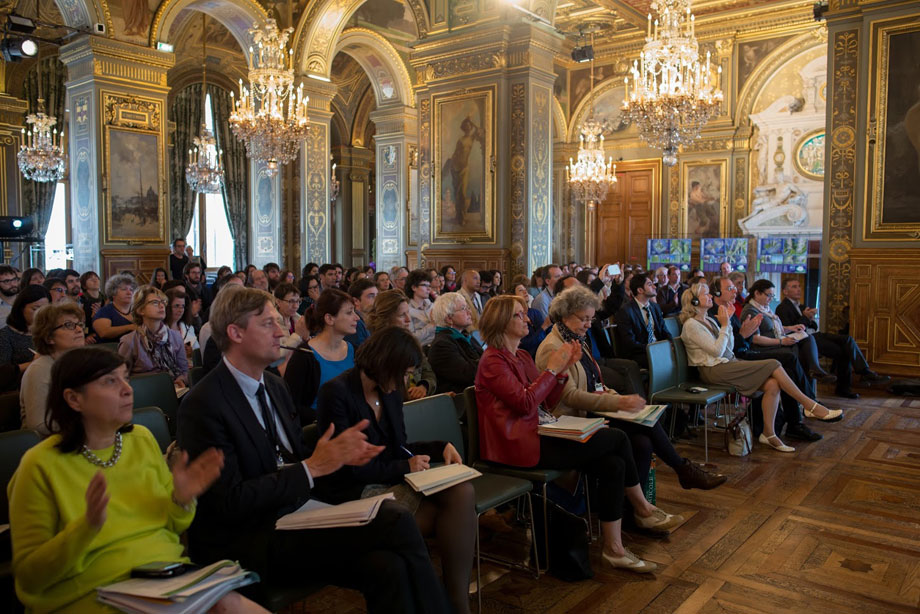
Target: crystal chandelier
592,175
271,135
672,96
41,157
204,172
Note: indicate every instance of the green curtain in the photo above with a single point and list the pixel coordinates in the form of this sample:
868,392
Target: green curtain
186,112
236,173
37,197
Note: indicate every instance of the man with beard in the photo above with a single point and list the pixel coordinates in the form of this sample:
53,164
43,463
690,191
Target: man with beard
9,288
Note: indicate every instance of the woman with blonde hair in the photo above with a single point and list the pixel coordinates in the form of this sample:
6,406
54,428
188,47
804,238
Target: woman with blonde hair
514,397
709,348
153,346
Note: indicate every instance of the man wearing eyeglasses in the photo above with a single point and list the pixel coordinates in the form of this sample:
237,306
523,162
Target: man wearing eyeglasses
9,288
57,288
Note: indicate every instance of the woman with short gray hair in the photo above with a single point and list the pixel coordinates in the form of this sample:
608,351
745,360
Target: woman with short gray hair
586,390
114,320
454,354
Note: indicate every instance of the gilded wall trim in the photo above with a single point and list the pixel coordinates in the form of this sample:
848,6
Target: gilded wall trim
518,183
317,156
539,233
842,172
424,179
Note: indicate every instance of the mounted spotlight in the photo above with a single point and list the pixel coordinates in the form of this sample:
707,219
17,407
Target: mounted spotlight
22,25
585,53
12,227
14,49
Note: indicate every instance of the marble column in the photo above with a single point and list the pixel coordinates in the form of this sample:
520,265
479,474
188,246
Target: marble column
116,90
396,129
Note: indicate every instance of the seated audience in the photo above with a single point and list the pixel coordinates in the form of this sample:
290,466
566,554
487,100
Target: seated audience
96,499
382,279
669,294
418,288
223,271
371,394
449,274
256,278
288,298
114,319
57,289
661,277
738,278
269,475
310,288
639,321
178,318
392,309
469,290
9,288
195,280
31,277
210,354
586,391
15,339
325,355
551,274
91,298
497,287
485,285
72,279
153,347
842,349
708,346
328,277
55,329
772,333
363,292
158,278
437,285
536,282
791,415
454,354
537,325
273,271
513,398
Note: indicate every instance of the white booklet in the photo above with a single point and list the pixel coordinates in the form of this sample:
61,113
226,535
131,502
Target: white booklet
440,478
318,515
647,416
797,335
189,593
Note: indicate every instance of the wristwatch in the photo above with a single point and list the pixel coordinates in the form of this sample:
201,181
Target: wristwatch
553,372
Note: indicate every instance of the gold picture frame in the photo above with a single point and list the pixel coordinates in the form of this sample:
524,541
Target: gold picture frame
808,155
463,146
135,191
698,182
891,191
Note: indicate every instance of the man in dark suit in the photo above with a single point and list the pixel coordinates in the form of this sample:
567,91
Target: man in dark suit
249,415
724,293
669,294
639,321
842,349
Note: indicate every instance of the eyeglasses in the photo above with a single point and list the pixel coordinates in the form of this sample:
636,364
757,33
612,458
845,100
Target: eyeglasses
9,280
71,325
314,287
520,315
157,302
423,286
294,302
59,289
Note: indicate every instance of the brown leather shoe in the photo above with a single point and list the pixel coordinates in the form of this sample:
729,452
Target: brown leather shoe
692,475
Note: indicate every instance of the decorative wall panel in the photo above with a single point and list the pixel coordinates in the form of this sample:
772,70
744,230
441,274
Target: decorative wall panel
316,191
264,216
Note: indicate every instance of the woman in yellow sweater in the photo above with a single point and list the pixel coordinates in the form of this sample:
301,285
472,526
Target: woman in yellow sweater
96,499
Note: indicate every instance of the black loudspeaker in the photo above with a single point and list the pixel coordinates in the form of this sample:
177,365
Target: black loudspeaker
14,227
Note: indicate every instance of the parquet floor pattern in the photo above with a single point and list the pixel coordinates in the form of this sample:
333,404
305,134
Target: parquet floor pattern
831,528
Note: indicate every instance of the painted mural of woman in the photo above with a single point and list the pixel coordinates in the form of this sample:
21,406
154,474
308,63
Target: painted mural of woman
137,17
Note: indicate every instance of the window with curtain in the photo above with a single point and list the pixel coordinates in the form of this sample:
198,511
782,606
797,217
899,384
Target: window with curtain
210,231
56,236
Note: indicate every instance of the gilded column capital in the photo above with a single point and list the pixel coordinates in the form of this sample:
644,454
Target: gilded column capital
12,110
396,119
320,93
94,57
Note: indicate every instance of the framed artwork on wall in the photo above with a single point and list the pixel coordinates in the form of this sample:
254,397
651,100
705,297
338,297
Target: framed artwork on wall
464,166
134,195
705,196
893,156
809,155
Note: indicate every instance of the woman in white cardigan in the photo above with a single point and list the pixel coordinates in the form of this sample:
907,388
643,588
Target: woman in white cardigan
709,348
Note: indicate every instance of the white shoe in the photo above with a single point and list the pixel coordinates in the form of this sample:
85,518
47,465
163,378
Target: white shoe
630,562
659,522
775,442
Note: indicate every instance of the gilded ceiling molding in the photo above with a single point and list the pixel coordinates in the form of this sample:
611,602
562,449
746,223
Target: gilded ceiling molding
461,64
79,13
772,64
559,124
391,82
230,13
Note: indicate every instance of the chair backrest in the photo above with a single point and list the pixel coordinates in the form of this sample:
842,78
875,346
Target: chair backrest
10,416
472,424
157,390
196,357
155,421
111,346
672,325
12,446
311,436
433,419
662,370
195,374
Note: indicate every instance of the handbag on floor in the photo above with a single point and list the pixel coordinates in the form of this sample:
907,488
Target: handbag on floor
568,541
738,436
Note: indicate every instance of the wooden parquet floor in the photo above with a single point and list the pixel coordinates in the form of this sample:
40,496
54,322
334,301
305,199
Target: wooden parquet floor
831,528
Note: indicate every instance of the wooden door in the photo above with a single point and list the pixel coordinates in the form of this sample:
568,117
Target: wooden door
629,215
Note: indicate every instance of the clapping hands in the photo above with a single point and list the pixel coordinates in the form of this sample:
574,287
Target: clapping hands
349,448
191,479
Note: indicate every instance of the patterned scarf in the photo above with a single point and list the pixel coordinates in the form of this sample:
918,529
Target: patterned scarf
157,347
587,360
778,329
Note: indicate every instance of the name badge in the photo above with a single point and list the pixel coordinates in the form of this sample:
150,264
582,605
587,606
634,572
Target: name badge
598,387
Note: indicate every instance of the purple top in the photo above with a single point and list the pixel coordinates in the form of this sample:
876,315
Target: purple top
140,361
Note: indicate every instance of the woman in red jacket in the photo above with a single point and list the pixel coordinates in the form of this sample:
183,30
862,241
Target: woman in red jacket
513,398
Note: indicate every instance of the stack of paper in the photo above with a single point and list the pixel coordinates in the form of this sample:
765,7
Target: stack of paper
572,427
318,515
797,335
190,593
437,479
648,416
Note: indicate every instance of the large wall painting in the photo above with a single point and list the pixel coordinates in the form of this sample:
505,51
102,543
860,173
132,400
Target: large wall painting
894,194
751,53
133,211
463,162
705,197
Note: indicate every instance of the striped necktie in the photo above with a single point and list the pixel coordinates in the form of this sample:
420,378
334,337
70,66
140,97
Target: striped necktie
649,325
